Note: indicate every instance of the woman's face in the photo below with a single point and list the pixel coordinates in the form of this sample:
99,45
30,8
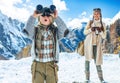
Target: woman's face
96,15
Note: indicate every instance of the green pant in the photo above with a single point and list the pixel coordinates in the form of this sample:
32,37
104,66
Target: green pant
44,72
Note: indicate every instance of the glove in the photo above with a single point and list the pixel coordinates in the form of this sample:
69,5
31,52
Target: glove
93,28
102,29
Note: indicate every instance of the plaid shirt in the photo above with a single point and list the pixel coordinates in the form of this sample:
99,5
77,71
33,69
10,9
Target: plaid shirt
45,53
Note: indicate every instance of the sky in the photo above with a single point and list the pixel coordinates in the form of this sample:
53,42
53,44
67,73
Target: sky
73,12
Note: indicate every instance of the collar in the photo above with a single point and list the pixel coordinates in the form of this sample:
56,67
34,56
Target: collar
96,20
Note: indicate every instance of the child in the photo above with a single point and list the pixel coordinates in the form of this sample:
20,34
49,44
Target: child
45,48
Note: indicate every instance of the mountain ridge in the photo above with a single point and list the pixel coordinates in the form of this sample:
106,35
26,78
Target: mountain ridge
12,39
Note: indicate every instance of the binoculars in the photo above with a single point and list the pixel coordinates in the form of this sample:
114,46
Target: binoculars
45,11
96,30
96,27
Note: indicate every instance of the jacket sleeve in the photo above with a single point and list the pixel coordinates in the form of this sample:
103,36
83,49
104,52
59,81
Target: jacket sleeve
29,29
61,27
87,29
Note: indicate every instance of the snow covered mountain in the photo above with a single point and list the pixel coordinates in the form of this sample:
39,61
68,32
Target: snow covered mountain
116,17
12,40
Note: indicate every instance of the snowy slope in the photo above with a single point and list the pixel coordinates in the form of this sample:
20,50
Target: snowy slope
71,69
11,37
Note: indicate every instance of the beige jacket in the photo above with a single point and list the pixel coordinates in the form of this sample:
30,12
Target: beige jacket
88,44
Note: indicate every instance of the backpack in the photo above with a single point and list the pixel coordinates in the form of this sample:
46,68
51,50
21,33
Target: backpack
80,49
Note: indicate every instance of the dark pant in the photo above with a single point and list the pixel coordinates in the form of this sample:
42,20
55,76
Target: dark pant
98,67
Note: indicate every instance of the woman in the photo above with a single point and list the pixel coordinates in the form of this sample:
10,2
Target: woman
95,32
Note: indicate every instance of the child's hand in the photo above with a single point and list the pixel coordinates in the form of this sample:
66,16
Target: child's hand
35,14
56,14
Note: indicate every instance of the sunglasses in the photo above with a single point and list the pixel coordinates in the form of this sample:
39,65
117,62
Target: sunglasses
97,9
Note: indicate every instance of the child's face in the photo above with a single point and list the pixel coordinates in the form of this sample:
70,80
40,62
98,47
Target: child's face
46,20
